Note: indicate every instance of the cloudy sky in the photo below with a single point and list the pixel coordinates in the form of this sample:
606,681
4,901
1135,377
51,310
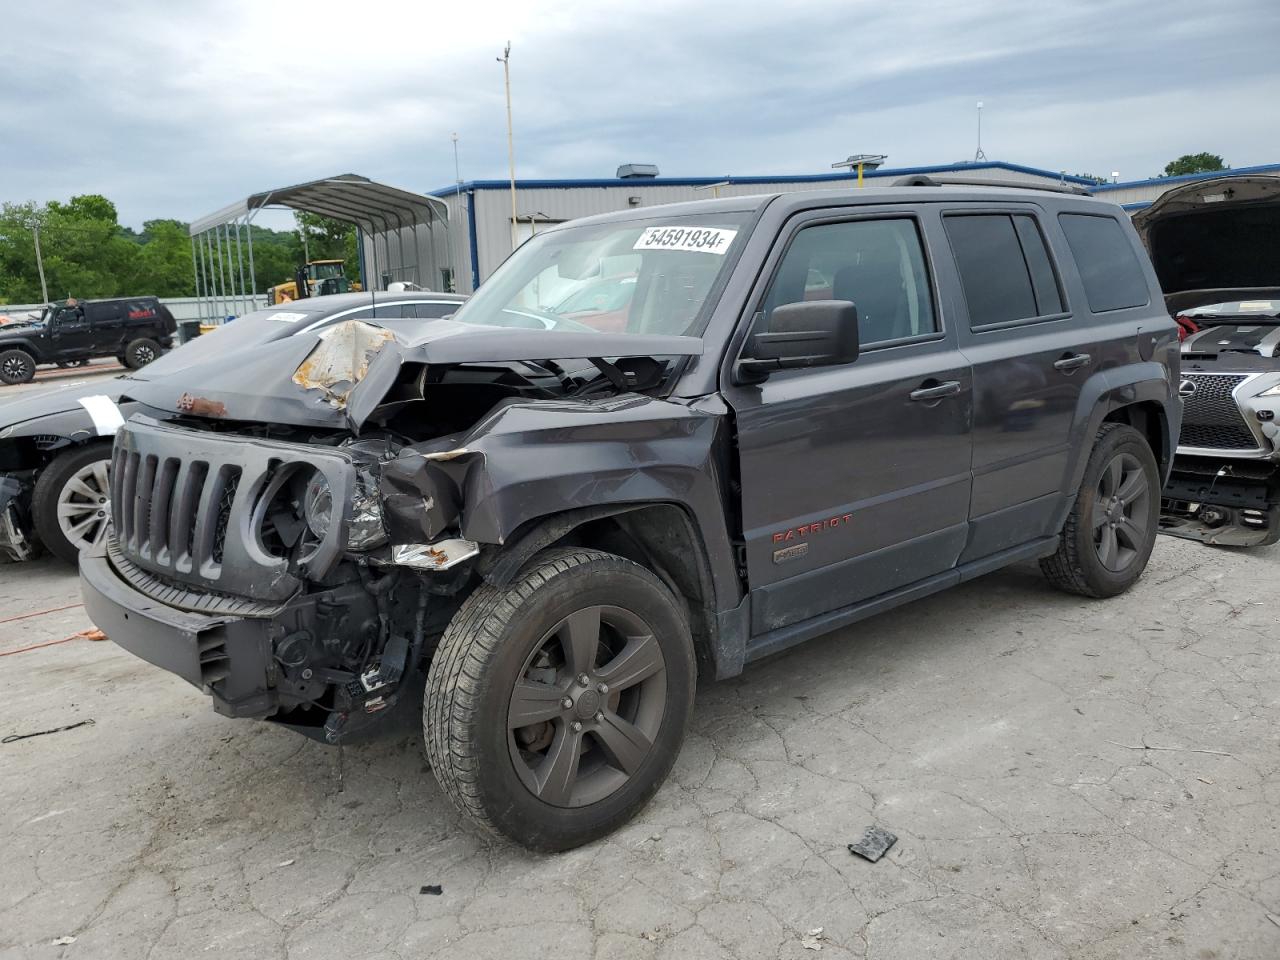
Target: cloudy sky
175,109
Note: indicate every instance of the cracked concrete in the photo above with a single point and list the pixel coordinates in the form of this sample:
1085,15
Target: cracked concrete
1068,779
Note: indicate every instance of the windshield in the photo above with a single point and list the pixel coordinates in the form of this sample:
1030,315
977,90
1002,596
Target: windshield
326,271
649,276
1261,310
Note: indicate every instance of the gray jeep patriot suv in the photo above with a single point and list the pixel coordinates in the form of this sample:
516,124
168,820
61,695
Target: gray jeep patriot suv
810,408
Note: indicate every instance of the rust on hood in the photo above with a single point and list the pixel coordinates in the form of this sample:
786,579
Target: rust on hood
201,406
341,359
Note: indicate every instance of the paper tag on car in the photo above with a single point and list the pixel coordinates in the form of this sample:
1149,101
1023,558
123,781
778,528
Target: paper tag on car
106,415
290,317
699,239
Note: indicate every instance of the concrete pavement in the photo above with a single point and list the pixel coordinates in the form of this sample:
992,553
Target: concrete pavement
1068,778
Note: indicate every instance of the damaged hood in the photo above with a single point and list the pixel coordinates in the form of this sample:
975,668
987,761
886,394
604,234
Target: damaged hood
51,402
336,376
1213,241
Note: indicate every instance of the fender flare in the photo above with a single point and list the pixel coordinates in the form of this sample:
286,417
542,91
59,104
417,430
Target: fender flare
721,652
1108,391
25,346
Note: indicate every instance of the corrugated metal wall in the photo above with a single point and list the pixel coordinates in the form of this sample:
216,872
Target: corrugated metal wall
418,254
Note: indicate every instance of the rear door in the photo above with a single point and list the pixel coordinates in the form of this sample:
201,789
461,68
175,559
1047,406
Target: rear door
1033,345
855,479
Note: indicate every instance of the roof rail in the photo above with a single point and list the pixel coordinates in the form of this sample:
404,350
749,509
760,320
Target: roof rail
921,180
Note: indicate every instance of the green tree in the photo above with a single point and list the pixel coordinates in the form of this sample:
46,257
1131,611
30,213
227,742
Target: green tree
164,265
1194,163
329,239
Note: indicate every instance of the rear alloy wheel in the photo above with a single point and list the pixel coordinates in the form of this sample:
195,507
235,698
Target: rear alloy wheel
140,352
556,706
1111,529
71,504
16,366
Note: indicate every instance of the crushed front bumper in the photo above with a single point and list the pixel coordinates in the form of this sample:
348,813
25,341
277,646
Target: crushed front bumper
227,657
264,664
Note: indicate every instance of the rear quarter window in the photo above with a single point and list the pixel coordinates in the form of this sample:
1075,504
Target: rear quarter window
1109,268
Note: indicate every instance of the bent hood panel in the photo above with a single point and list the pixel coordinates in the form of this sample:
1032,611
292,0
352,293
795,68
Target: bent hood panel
1212,241
62,400
261,384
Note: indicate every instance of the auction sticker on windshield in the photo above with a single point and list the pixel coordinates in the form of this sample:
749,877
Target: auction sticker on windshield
291,317
700,239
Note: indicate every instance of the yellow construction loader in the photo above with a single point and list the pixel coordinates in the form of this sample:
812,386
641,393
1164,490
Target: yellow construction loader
317,278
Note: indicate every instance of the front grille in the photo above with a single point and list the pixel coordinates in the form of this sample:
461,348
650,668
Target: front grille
1211,418
190,507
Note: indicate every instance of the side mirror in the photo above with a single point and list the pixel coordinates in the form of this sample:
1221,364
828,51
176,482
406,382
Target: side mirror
811,333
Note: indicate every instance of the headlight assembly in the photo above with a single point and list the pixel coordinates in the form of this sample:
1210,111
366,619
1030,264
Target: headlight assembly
364,530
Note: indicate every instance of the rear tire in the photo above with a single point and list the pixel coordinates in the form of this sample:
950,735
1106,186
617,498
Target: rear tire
16,366
71,505
1107,539
141,352
571,774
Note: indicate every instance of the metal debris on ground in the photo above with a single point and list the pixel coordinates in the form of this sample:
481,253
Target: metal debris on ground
431,890
813,939
40,733
64,941
286,863
874,843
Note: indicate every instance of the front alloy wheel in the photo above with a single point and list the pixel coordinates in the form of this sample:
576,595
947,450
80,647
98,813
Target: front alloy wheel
556,705
71,503
589,702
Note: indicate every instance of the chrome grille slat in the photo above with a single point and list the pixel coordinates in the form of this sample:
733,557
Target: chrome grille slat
161,505
142,491
123,507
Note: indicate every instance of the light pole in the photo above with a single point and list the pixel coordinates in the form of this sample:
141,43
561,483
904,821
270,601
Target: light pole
979,155
505,60
44,287
860,160
457,174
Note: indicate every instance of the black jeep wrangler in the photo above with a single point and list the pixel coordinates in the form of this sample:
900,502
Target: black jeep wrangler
817,407
134,330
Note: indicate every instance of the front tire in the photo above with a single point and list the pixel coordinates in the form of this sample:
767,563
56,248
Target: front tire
556,706
16,366
1107,539
71,503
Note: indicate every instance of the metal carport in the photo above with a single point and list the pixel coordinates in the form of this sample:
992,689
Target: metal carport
403,236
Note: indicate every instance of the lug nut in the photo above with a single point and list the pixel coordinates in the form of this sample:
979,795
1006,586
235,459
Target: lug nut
307,674
600,717
603,688
566,703
575,726
583,679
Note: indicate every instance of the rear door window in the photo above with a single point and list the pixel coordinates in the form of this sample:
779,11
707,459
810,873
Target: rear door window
1005,268
1112,276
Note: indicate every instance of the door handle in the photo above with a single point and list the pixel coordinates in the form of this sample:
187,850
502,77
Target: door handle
1073,361
948,388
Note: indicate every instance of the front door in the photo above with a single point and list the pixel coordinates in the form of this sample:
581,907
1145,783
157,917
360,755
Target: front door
855,478
70,334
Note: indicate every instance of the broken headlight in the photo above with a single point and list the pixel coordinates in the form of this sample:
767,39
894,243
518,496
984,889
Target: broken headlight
365,530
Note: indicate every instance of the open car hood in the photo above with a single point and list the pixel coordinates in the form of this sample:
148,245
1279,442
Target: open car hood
1213,241
336,376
